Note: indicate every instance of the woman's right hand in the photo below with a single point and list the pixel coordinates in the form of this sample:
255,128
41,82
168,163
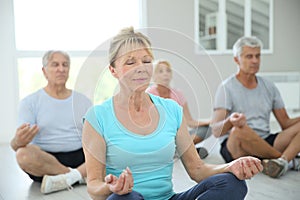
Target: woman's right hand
120,185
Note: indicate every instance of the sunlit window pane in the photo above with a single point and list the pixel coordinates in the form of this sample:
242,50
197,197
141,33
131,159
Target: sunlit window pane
207,24
79,26
235,21
221,22
260,21
71,25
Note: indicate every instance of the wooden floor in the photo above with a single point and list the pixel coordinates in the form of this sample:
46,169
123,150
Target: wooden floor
16,185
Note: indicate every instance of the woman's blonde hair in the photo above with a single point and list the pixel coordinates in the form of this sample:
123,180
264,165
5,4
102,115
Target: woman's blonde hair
130,40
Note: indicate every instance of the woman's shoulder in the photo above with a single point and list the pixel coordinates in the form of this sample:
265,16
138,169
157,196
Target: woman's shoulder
100,110
152,89
106,104
177,92
163,101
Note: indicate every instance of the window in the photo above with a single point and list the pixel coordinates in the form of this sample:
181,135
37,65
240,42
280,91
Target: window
219,23
77,27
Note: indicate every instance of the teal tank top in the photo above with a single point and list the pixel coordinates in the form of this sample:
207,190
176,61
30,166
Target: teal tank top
149,157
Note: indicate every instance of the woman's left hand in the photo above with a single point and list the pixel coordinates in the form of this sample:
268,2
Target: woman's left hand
120,185
245,167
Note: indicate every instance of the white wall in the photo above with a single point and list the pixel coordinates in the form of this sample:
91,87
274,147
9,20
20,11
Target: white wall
8,73
178,15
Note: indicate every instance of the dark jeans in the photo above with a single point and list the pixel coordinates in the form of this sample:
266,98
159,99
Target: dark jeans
218,187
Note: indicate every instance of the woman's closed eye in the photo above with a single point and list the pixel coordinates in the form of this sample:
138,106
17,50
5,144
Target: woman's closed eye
130,61
147,60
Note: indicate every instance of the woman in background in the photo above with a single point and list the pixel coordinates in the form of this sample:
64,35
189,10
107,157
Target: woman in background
130,139
162,77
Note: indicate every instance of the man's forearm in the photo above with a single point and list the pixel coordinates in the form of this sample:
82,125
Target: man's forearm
221,128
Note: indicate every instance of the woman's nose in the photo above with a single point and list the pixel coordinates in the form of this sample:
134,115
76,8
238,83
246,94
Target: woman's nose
140,68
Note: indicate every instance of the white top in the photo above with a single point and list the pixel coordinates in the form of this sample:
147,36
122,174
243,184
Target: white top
59,120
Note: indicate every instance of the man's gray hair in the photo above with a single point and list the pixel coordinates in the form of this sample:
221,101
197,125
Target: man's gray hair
48,55
245,41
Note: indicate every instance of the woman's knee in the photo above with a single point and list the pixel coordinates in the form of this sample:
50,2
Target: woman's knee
229,185
234,185
130,196
234,182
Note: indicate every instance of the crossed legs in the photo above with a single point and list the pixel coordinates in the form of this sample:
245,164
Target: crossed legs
244,141
37,162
